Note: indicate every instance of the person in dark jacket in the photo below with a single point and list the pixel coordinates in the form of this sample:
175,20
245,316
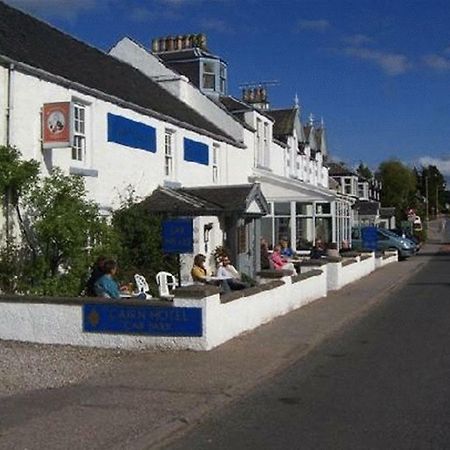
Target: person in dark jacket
98,270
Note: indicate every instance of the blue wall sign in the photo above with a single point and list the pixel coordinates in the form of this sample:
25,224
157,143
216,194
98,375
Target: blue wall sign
142,320
369,238
177,236
130,133
196,152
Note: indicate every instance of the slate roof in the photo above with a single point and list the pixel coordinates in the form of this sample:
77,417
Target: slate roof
233,104
205,201
367,208
387,212
239,107
185,54
28,40
339,170
284,122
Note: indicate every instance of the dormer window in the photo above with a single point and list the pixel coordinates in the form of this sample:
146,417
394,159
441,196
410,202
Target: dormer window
209,75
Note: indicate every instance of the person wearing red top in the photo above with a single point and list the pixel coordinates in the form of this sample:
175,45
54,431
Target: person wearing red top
279,263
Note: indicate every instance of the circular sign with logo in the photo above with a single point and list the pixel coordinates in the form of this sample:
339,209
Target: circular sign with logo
56,122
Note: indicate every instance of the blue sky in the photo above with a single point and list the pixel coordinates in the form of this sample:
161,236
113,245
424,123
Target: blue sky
378,72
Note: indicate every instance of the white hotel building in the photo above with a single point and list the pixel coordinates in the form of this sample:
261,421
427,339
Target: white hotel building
147,119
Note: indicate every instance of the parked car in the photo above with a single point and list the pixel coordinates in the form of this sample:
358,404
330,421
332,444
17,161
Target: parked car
407,235
386,240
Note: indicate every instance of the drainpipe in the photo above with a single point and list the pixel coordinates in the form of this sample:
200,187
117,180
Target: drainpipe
8,142
9,106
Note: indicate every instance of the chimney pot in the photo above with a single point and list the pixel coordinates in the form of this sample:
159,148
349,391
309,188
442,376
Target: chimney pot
155,45
162,44
169,43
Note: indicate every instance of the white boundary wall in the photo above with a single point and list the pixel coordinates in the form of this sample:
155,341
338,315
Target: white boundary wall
42,321
51,323
344,272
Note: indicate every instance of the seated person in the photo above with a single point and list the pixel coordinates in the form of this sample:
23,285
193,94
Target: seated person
279,262
265,256
318,251
286,251
198,271
227,270
200,274
96,273
106,286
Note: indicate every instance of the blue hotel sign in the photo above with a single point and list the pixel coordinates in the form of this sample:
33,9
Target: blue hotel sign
369,238
142,320
177,236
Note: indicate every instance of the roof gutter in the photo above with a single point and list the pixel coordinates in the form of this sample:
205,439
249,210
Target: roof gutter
113,99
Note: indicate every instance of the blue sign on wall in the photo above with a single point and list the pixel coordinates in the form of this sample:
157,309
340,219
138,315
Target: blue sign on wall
142,320
130,133
369,238
196,152
177,236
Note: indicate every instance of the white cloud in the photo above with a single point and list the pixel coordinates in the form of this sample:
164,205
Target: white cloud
314,25
68,9
437,62
443,164
356,40
391,63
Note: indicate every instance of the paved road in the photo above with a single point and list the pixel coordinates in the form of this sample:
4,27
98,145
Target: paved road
144,397
383,383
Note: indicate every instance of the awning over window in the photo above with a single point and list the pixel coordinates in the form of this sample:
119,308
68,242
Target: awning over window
245,200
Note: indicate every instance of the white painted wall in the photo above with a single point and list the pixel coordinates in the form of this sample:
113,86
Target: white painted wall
62,324
118,166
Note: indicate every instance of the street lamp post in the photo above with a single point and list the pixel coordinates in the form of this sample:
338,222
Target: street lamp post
426,195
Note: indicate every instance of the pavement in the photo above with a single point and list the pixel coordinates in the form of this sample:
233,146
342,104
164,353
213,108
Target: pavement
147,399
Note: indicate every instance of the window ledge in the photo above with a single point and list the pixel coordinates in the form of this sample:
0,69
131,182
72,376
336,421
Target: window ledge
83,172
259,166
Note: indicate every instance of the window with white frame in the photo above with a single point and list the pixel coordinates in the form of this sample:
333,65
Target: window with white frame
169,153
209,75
79,132
215,163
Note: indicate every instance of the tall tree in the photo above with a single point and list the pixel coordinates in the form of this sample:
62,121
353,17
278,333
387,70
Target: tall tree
399,186
431,184
16,175
364,171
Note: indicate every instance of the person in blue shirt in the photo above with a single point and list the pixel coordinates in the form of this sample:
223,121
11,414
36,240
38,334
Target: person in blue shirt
106,286
286,251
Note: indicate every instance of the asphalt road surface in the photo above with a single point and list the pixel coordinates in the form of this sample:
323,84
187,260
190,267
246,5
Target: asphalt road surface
383,383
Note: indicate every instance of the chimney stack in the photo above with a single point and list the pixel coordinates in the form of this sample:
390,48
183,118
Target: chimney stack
180,42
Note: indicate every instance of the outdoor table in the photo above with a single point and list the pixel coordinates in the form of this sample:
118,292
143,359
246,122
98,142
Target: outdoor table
218,278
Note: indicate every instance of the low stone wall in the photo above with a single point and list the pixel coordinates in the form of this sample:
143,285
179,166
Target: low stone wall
77,321
199,318
387,258
347,270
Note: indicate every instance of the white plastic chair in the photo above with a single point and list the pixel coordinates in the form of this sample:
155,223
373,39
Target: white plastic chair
165,281
142,286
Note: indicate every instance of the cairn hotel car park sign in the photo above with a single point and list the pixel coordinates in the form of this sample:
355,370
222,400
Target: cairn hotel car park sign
142,320
56,125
